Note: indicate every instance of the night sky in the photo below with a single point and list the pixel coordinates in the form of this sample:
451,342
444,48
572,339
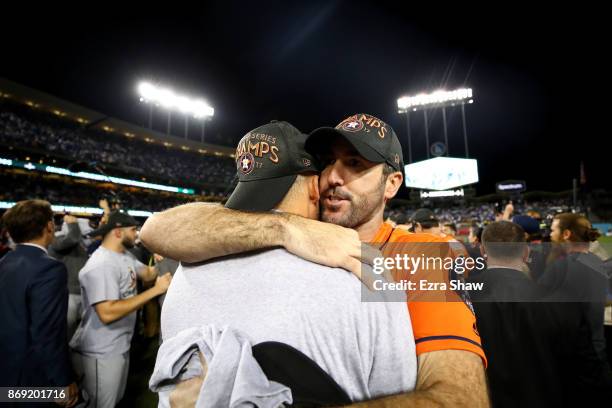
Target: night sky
534,73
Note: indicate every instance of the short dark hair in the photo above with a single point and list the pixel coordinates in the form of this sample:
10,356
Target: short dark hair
401,218
476,230
27,220
579,226
504,239
452,226
387,169
429,224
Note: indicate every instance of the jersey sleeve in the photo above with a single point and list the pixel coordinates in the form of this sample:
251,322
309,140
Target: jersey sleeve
101,284
443,321
445,326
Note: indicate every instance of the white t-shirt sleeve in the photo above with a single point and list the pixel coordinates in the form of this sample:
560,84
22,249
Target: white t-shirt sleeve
394,366
101,284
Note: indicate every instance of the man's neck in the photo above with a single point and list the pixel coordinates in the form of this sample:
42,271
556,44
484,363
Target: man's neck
292,208
40,242
368,230
575,247
113,246
495,263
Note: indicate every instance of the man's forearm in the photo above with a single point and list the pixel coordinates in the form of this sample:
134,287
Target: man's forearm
117,309
148,274
435,397
200,231
446,378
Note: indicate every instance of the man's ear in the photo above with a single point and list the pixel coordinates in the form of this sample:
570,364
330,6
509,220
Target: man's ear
566,234
51,227
313,188
393,184
482,250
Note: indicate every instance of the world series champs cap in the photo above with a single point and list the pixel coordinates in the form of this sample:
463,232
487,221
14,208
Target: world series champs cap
373,139
268,160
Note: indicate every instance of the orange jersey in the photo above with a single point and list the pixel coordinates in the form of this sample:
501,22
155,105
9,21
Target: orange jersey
437,324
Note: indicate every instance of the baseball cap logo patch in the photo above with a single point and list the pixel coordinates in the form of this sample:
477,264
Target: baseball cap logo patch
352,125
246,163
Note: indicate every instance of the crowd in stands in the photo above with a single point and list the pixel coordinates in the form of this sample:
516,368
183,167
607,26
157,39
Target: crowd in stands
480,213
67,192
43,132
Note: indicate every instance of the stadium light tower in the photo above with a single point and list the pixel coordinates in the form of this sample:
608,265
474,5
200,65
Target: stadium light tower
169,100
438,99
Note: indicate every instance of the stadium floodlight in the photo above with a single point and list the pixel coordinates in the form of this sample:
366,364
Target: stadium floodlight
438,99
435,99
168,99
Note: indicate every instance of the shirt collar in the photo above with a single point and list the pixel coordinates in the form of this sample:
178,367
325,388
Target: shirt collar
36,246
383,233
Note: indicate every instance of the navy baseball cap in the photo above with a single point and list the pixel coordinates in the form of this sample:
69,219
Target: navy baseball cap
529,224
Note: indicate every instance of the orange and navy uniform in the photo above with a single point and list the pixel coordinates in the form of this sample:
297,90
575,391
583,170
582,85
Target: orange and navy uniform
437,324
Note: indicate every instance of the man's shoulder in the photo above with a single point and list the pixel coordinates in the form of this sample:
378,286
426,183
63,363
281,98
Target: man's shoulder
31,257
276,257
277,263
97,263
402,236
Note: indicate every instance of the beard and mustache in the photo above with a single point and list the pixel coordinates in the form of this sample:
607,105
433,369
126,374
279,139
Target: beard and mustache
360,208
128,243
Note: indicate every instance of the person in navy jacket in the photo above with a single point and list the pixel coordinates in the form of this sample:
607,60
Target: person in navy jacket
33,305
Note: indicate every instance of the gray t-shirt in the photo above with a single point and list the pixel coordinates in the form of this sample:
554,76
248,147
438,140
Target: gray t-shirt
107,275
367,347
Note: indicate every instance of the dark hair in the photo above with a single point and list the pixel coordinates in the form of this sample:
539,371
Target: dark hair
428,224
387,169
27,220
579,226
401,218
504,239
452,226
477,231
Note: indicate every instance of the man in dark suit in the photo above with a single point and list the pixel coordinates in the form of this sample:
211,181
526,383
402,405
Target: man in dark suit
540,352
33,305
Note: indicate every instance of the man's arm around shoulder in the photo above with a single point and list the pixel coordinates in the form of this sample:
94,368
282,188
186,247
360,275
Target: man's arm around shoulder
200,231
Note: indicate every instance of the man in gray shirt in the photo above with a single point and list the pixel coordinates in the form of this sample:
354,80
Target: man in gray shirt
70,247
101,343
366,347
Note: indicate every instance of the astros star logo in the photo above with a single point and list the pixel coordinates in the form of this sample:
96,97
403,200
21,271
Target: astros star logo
246,162
352,126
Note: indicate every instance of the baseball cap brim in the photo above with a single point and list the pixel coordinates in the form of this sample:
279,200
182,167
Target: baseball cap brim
105,229
100,232
260,195
109,226
319,142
